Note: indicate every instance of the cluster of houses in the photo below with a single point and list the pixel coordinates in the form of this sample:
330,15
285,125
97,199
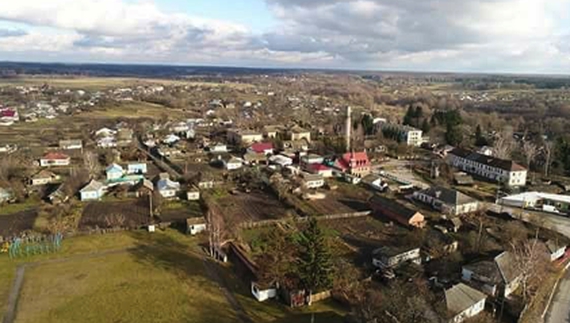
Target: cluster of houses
8,116
111,138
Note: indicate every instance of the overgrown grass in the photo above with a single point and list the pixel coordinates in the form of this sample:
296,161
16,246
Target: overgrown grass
6,208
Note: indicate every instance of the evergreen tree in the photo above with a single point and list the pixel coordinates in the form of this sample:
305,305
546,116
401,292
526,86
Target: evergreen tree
453,135
314,265
409,116
426,126
368,124
480,140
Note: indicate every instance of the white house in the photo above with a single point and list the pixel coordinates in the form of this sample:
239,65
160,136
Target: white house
193,194
107,142
114,172
195,225
388,257
168,188
464,302
70,144
262,294
234,163
44,177
105,132
494,169
281,160
312,181
171,139
92,191
136,168
447,201
492,276
55,159
218,148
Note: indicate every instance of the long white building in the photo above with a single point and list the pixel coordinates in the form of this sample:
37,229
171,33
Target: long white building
494,169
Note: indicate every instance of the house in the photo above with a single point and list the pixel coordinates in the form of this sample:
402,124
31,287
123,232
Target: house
494,277
70,144
8,149
556,250
171,139
403,133
375,182
271,131
464,302
9,115
114,172
58,196
265,148
391,256
105,132
218,148
55,159
281,160
124,137
253,158
447,201
193,194
545,202
485,150
296,145
312,181
143,188
319,169
493,169
298,133
238,136
44,177
166,151
136,168
355,164
233,163
92,191
195,225
397,212
312,159
6,195
107,142
168,188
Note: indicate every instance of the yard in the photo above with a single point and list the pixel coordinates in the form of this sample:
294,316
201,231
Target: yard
157,281
254,206
15,223
131,214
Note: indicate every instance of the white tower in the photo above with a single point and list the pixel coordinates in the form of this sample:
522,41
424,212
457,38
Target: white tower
348,127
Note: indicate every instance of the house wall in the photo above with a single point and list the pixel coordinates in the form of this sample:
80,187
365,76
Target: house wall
262,294
54,162
314,184
232,166
90,195
193,196
137,169
41,181
168,193
413,255
557,254
114,175
196,228
301,135
470,312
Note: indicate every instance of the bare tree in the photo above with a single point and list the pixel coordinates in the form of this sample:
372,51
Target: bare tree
503,145
548,150
530,151
91,162
532,262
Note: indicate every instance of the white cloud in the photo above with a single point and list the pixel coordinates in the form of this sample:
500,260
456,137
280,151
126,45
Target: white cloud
474,35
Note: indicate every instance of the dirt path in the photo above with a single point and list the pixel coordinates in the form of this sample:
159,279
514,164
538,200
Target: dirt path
14,295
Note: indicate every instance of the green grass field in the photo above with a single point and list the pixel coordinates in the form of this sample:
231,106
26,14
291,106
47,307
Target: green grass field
136,277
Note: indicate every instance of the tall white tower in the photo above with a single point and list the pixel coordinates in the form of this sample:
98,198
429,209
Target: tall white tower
348,127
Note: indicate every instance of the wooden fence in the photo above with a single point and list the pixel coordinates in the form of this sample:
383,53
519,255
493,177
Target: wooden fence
266,223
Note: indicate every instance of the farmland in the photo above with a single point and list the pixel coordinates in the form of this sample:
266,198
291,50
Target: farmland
254,206
15,223
132,214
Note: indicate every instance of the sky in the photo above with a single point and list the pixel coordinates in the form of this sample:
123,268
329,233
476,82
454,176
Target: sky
510,36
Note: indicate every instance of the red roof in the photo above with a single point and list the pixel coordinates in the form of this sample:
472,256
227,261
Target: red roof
55,156
9,113
360,160
318,167
261,147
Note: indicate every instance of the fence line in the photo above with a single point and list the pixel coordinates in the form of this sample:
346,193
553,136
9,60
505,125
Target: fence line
266,223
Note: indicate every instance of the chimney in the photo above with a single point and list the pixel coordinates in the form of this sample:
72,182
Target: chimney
348,127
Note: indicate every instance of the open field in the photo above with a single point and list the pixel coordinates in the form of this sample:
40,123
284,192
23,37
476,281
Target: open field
130,110
157,281
254,206
102,83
